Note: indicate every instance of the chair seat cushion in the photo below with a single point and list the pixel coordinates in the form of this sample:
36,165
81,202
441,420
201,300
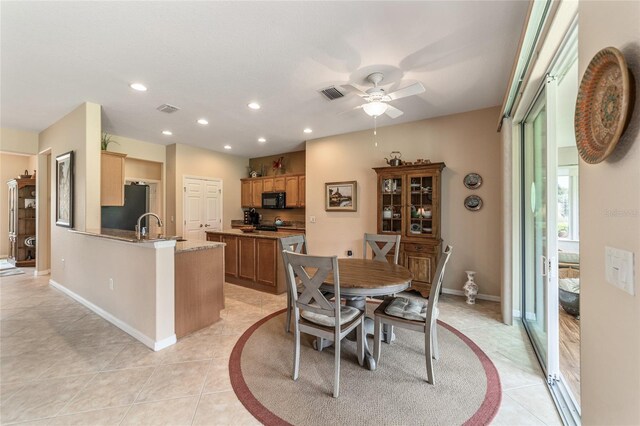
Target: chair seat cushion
347,314
410,309
571,285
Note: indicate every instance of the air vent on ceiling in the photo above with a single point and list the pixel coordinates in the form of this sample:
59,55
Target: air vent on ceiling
332,93
167,108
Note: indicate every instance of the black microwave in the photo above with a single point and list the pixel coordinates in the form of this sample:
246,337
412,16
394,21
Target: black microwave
274,200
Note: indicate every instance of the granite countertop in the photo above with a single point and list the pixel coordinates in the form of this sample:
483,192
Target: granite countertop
274,235
295,226
123,235
183,246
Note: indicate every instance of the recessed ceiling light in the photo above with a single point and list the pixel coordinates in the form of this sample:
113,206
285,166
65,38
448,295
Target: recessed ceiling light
254,105
203,121
262,140
227,147
167,132
139,87
307,130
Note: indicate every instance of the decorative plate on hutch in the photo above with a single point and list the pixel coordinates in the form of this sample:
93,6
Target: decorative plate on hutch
603,106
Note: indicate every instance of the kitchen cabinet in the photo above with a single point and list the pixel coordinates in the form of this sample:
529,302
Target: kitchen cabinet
245,194
302,182
112,178
279,184
22,222
267,185
256,193
291,185
409,199
254,258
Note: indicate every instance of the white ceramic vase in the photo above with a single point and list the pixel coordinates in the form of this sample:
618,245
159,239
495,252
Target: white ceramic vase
470,287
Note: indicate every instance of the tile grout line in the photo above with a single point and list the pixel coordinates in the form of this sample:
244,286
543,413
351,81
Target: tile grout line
138,394
204,383
76,394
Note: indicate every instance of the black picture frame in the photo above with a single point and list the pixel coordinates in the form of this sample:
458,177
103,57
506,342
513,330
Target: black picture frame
65,167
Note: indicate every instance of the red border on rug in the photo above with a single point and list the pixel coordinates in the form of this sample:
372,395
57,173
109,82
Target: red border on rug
487,411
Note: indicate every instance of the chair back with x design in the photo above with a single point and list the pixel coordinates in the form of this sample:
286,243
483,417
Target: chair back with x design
313,271
391,242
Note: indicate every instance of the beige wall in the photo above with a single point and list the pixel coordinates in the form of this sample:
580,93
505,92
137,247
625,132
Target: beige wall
294,162
79,131
18,141
610,318
184,160
11,166
466,142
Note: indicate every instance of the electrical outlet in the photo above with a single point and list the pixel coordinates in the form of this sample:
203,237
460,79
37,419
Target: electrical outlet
312,219
349,253
110,283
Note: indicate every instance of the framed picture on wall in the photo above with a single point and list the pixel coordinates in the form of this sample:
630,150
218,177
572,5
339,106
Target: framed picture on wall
341,196
64,189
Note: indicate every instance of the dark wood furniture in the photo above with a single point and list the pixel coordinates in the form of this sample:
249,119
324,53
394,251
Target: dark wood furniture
253,259
22,221
409,199
199,294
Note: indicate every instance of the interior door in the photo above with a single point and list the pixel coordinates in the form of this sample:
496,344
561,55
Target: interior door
193,207
540,280
213,205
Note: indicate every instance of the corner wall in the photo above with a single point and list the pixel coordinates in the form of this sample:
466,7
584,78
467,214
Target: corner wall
466,142
610,216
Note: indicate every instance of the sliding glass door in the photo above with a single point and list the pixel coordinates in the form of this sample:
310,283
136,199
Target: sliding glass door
540,289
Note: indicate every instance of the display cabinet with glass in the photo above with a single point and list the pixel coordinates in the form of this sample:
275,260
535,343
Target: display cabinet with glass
409,205
22,222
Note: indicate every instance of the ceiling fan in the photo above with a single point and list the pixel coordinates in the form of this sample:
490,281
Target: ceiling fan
377,99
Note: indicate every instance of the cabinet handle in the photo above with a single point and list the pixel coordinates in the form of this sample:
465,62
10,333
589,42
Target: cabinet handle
207,225
200,225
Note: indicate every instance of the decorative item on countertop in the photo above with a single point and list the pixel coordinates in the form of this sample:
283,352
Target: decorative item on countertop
470,287
395,159
473,203
472,180
106,140
278,221
604,105
278,165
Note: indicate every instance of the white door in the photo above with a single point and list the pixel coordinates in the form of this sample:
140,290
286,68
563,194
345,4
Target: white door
213,205
202,207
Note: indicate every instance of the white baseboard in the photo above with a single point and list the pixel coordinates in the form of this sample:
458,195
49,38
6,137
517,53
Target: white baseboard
40,273
479,296
137,334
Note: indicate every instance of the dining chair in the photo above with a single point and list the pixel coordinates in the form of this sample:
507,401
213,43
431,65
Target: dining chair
414,315
316,315
380,253
296,244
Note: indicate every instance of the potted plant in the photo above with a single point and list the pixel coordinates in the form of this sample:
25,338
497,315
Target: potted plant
106,140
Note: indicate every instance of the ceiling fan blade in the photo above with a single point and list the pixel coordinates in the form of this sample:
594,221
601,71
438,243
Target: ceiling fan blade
349,110
414,89
393,112
350,88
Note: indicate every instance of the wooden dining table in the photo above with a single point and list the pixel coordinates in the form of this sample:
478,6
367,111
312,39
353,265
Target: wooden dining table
362,278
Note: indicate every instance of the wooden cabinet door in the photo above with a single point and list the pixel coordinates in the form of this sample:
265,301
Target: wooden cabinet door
256,193
245,194
230,255
302,190
247,258
112,179
292,191
279,184
266,261
420,265
267,185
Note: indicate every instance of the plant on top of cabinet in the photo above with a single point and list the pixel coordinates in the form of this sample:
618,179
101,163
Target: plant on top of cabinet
106,140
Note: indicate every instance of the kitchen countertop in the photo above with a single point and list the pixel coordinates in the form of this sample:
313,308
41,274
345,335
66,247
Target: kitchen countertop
274,235
294,226
121,235
184,246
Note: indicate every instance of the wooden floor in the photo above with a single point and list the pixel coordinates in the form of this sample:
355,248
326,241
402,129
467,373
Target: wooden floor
570,352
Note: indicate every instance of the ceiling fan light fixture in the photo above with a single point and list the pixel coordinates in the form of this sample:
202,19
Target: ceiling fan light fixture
375,108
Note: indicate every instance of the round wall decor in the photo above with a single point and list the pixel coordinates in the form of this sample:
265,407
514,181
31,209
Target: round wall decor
473,203
603,106
472,181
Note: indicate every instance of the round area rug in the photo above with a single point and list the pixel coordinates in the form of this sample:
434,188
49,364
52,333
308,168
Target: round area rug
467,386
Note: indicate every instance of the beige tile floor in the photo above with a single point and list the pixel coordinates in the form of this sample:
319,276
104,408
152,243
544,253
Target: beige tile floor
62,364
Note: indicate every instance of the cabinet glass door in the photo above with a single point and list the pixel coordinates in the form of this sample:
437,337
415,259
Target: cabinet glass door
391,214
420,209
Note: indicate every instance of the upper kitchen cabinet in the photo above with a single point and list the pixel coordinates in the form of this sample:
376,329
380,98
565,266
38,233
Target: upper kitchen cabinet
293,185
256,193
112,178
302,182
292,190
245,193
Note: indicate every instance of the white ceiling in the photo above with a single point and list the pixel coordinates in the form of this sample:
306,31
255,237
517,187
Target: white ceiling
211,58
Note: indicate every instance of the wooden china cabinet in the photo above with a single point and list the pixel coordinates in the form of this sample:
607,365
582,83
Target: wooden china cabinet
409,201
22,222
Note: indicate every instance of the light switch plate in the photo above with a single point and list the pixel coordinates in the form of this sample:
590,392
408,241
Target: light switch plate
619,267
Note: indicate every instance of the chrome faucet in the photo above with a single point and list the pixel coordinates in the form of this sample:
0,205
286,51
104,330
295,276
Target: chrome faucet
140,219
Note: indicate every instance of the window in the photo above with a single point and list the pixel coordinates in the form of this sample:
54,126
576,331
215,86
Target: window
568,203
